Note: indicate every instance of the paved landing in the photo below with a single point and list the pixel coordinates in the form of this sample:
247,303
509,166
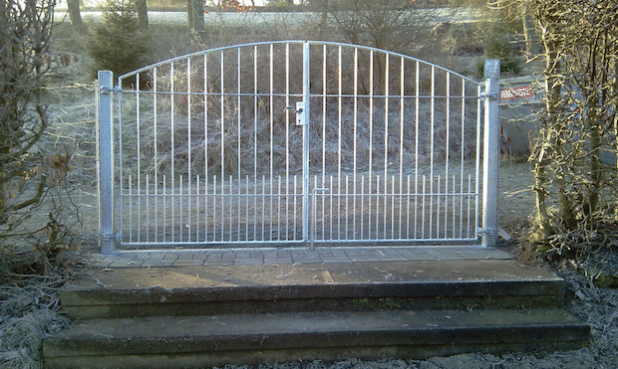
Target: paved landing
292,256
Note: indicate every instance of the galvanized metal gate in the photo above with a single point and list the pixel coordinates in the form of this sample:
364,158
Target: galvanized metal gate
296,142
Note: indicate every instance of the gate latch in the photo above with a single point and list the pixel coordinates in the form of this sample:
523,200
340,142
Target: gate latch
300,112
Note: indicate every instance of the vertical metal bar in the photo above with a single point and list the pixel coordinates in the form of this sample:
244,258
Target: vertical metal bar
386,122
339,139
438,198
432,105
272,133
470,206
238,132
189,139
408,212
130,209
294,204
206,208
279,210
255,136
324,104
393,207
222,119
306,98
447,148
214,208
454,198
263,206
370,179
182,201
347,209
173,154
106,160
401,140
164,208
222,133
491,152
139,162
230,197
462,146
423,210
377,236
287,139
224,200
362,206
416,143
354,169
147,209
206,109
331,210
247,209
155,154
197,208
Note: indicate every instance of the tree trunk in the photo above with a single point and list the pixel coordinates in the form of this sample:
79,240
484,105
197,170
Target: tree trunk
190,13
142,14
530,36
195,14
74,13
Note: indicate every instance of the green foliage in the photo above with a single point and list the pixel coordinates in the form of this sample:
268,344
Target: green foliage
119,43
498,45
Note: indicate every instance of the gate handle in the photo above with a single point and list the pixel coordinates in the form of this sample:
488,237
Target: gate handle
299,110
293,109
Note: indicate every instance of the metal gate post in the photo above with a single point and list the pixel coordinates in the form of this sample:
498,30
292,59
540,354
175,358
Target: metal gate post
491,153
106,194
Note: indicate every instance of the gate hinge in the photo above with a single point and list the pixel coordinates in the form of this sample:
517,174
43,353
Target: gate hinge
487,231
108,90
493,96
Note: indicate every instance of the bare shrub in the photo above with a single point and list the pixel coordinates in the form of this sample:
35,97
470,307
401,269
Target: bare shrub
578,128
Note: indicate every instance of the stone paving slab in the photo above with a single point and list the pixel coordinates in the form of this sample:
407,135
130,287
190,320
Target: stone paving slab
285,256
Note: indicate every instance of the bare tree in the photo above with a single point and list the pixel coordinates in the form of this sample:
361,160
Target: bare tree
388,24
26,172
25,29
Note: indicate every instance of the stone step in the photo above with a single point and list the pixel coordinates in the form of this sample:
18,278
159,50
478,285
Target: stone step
120,303
198,316
206,341
497,284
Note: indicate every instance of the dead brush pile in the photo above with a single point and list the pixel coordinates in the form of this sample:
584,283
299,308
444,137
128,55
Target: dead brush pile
28,314
30,282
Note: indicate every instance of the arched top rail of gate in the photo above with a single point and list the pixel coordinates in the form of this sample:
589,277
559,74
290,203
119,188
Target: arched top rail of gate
300,43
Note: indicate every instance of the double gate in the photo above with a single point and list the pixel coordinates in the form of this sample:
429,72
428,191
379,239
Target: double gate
296,142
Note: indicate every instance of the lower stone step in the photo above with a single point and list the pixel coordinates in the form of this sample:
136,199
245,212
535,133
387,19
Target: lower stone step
206,341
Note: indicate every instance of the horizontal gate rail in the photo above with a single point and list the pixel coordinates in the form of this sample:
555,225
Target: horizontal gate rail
296,142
